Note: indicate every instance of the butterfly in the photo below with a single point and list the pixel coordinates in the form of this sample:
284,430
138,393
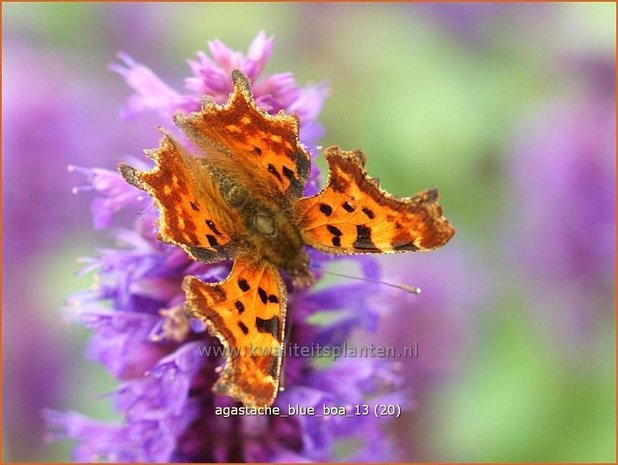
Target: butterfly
238,195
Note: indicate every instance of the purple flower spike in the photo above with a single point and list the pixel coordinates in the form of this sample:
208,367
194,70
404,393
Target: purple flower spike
114,194
163,391
563,169
119,340
166,362
211,77
151,93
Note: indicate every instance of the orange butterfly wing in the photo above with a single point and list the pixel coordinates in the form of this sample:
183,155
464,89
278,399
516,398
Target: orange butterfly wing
353,215
249,151
264,145
190,205
246,311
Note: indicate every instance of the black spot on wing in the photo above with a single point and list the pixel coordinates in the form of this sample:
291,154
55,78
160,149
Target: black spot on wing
213,227
347,207
243,285
212,240
288,173
336,240
194,207
273,299
272,170
243,327
369,213
270,326
296,184
257,150
263,295
326,209
363,238
334,230
239,306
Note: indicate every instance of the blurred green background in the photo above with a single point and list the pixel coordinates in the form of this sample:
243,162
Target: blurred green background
434,94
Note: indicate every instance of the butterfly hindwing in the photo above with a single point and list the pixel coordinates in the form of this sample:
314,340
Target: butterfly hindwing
267,145
353,215
246,311
190,206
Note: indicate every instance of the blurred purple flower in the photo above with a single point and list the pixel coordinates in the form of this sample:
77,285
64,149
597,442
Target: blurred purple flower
211,77
563,170
431,333
113,193
47,124
41,137
143,336
440,319
146,341
477,23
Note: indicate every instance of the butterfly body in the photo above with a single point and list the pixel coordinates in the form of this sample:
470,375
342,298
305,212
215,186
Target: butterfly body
239,197
270,231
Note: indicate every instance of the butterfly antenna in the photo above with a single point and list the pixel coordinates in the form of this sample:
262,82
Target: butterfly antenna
403,287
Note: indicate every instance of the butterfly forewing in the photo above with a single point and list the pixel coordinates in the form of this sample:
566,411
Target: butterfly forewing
264,144
188,202
353,215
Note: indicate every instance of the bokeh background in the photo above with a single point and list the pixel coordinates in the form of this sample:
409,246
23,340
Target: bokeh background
508,108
